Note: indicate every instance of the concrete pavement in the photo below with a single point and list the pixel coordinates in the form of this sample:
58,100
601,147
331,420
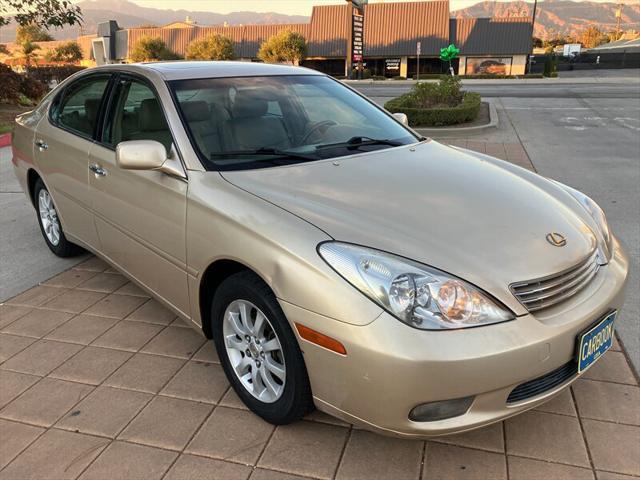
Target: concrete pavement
97,381
25,259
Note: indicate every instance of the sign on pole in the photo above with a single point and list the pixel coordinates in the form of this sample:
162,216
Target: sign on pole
418,51
358,36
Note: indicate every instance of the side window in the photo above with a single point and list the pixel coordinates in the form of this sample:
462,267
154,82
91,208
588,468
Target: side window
79,106
137,115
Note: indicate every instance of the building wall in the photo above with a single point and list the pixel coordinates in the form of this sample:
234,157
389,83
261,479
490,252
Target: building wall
392,30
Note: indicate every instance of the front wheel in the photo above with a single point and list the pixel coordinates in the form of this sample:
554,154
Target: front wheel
258,351
50,223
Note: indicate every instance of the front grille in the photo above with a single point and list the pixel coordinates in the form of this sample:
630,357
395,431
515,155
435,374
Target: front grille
547,291
543,384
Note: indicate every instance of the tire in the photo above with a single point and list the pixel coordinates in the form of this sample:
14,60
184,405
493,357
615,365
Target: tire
285,403
50,225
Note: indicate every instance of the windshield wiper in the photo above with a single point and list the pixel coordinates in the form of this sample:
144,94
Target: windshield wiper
359,141
284,154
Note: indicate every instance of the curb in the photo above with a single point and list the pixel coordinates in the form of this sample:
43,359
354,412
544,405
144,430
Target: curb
452,132
5,140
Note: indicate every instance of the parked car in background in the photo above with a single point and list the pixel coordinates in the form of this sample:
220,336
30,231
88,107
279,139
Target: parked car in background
336,258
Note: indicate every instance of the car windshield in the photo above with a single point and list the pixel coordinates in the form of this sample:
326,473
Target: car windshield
258,122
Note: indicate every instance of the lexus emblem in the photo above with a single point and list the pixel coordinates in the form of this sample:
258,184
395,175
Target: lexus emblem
556,239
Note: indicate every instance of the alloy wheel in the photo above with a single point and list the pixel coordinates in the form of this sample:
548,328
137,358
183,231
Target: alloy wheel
49,217
254,351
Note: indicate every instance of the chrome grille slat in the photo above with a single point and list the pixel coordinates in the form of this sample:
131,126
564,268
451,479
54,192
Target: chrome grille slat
560,287
545,292
541,286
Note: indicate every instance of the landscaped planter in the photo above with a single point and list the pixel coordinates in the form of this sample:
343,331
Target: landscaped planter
466,111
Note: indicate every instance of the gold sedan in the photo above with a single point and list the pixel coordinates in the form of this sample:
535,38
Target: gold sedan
336,258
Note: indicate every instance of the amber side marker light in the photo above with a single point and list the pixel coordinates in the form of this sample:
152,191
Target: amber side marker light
321,339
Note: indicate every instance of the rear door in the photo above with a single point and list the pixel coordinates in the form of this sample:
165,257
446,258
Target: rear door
62,143
140,215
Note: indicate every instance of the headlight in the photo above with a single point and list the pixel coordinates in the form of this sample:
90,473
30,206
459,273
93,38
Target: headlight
593,209
420,296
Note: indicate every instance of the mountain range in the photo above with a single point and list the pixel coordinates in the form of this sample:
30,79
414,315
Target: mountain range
553,17
560,17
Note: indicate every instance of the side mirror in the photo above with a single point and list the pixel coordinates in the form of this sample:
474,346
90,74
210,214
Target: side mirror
402,118
140,155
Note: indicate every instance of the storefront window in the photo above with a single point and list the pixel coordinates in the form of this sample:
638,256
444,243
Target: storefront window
488,65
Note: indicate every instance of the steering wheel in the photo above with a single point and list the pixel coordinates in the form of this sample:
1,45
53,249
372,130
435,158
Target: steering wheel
323,124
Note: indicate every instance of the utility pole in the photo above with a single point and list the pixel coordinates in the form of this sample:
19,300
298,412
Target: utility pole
533,22
618,19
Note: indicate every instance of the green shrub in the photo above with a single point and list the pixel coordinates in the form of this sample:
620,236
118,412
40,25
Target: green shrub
379,77
285,46
10,81
25,101
213,47
68,52
32,89
466,111
436,104
366,74
149,49
17,88
55,73
447,92
399,77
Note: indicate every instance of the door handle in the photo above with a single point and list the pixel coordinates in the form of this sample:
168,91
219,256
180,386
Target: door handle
98,170
42,145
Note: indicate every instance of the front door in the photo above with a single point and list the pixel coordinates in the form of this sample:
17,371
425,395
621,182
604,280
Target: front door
140,215
63,140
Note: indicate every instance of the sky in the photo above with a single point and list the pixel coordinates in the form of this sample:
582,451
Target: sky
291,7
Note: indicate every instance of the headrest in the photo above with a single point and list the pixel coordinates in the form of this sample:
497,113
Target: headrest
249,105
151,117
91,106
197,111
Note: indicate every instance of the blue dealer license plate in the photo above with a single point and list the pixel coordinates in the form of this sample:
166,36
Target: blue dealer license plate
595,342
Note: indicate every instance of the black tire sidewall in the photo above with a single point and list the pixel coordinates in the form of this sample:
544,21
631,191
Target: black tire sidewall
295,400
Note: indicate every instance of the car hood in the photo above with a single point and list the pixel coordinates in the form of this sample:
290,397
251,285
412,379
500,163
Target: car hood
466,214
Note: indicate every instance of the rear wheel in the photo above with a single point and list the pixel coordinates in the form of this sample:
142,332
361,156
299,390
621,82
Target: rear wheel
258,351
50,223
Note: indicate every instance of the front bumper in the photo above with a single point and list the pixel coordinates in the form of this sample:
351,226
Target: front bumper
390,368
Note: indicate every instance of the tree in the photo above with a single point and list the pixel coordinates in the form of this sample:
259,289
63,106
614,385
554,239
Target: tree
592,37
214,47
32,33
149,49
29,52
68,52
43,13
284,47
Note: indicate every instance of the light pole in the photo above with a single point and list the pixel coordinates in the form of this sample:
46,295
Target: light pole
533,22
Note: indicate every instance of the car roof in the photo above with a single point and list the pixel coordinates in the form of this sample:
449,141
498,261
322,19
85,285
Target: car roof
181,70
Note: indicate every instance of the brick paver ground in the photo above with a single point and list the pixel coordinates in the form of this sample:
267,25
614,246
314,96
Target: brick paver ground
99,381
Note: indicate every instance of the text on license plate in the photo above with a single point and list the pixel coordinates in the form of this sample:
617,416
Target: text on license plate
595,342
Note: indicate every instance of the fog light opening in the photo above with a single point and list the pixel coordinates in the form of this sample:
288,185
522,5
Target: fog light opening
433,411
